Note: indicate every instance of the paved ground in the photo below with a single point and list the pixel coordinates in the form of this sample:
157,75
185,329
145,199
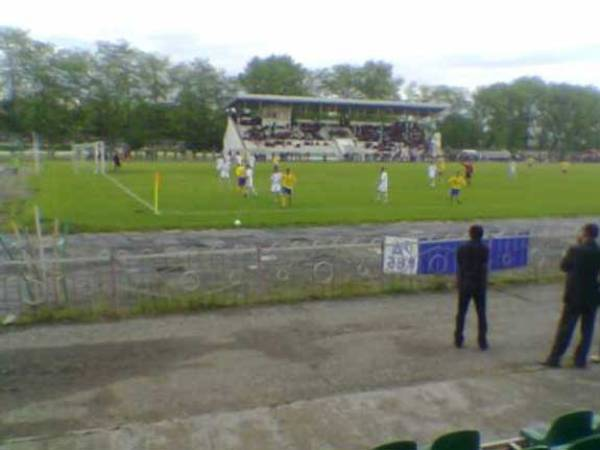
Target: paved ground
321,375
148,242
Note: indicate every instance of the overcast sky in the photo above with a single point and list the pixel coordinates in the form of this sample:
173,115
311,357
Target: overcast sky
456,42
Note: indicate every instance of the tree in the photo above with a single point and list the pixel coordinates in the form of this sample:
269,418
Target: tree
276,74
372,80
198,112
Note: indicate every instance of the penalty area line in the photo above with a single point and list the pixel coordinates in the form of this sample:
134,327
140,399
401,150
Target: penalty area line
129,192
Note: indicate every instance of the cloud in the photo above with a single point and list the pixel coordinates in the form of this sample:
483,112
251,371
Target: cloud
589,53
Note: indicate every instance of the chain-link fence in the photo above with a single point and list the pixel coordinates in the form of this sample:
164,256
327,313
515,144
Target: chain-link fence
118,281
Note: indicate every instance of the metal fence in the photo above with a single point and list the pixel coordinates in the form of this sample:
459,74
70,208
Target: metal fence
227,276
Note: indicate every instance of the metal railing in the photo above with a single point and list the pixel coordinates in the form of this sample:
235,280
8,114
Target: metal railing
246,275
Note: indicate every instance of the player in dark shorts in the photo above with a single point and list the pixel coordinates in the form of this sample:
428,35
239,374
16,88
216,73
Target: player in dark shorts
469,169
116,161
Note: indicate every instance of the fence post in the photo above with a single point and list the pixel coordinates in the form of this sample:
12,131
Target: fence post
259,272
113,280
382,266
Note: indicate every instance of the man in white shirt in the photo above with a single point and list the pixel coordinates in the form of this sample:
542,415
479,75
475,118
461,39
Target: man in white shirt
276,183
250,180
224,170
220,162
382,186
432,174
512,169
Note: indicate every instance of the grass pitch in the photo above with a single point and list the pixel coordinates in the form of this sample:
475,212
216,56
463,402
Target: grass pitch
191,196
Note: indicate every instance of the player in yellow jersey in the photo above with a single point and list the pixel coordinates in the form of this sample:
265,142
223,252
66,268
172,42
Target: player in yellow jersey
440,167
240,173
564,166
457,182
530,162
288,181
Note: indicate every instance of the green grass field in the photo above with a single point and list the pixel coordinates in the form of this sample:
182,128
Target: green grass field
335,193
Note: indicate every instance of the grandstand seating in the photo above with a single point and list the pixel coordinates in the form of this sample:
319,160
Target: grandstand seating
305,139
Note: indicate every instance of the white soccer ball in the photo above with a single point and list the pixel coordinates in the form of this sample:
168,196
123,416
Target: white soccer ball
237,222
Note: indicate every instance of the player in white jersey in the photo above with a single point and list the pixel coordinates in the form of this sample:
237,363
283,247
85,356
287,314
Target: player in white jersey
219,165
382,186
224,170
237,159
250,180
512,169
276,183
431,174
251,160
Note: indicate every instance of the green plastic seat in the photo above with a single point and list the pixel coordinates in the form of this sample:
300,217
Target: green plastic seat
458,440
564,430
398,445
588,443
596,423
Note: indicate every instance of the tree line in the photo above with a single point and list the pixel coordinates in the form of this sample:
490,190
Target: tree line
119,93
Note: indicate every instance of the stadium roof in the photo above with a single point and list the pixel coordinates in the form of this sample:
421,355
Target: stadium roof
393,106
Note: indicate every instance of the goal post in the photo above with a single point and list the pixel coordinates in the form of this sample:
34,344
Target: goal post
89,156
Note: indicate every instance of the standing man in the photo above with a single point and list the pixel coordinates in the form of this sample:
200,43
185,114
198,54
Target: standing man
471,280
581,297
382,186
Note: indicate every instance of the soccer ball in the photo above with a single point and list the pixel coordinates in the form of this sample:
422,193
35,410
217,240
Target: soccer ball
237,222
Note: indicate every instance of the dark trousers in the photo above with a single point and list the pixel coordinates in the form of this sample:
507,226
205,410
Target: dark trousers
566,325
464,298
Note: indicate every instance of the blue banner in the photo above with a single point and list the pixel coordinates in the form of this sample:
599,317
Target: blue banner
439,257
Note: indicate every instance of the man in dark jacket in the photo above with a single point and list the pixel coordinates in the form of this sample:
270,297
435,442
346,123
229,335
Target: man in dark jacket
471,276
581,263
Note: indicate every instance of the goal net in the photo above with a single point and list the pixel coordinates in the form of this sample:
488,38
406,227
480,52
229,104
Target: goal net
89,157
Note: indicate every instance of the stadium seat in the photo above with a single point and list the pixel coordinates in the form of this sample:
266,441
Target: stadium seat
564,430
588,443
398,445
458,440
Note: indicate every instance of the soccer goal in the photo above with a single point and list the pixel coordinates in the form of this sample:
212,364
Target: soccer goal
89,157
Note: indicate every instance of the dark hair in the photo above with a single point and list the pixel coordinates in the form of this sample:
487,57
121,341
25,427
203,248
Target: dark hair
476,232
591,230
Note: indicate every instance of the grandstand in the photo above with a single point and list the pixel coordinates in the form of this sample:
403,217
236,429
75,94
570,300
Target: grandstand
310,128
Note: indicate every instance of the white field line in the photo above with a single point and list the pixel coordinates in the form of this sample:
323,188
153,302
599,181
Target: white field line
130,192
